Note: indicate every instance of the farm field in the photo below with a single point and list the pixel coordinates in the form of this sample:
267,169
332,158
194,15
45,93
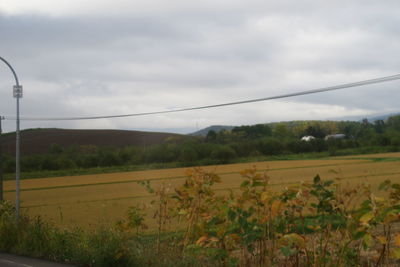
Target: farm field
91,200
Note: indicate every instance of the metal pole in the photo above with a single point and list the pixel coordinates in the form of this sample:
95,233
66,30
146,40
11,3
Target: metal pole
17,90
1,163
17,165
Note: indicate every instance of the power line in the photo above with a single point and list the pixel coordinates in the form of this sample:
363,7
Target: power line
314,91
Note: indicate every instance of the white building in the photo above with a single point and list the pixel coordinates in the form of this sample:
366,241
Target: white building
307,138
335,136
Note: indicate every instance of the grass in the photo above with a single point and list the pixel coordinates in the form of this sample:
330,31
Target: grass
261,222
182,177
92,200
85,171
37,238
153,166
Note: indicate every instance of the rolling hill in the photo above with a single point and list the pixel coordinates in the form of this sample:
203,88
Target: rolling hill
37,141
215,128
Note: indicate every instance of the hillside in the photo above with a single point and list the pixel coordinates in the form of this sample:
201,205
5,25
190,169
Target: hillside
37,141
215,128
241,143
370,118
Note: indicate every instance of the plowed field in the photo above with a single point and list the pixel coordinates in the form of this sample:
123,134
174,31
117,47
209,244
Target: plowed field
90,200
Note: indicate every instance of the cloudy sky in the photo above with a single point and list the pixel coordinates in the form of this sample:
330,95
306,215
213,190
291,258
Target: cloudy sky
102,57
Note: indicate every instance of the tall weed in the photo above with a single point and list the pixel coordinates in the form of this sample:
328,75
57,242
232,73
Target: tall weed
322,223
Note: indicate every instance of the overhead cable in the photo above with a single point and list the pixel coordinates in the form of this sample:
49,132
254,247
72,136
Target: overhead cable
314,91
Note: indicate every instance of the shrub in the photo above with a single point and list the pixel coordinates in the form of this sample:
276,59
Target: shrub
271,146
37,238
223,154
311,224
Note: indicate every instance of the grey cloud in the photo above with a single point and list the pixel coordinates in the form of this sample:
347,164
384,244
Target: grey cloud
203,55
78,48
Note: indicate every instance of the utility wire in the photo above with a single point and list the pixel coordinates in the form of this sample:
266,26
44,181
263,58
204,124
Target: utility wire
314,91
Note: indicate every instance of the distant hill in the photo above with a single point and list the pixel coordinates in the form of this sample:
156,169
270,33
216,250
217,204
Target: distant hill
216,128
371,118
37,141
382,117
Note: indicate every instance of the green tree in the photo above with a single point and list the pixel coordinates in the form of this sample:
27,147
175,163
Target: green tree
394,122
56,149
223,154
188,154
211,136
281,131
315,130
271,146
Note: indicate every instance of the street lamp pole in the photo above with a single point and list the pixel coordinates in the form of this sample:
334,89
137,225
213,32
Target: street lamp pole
17,91
1,162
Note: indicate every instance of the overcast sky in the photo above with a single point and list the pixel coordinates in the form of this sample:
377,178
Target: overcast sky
91,58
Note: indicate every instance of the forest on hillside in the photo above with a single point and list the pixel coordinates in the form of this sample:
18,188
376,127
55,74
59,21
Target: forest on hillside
256,141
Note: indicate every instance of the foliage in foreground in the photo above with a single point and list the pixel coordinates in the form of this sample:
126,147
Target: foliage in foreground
323,223
37,238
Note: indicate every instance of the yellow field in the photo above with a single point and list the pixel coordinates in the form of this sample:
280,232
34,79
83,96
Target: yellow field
90,200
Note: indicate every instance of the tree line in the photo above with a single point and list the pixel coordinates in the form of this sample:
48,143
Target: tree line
225,146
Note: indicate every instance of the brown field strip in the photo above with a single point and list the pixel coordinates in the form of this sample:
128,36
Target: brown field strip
170,173
381,155
93,199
